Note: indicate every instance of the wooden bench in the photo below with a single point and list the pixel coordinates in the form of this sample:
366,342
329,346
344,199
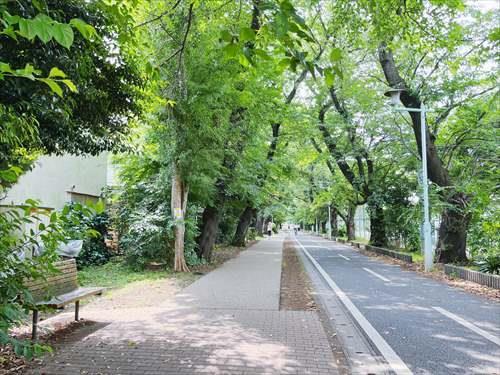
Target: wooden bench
58,291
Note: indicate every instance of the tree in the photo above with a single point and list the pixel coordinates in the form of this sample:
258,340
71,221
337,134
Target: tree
91,114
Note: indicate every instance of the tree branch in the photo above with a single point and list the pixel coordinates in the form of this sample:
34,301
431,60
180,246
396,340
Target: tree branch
159,17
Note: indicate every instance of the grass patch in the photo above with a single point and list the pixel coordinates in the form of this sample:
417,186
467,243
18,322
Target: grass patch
362,240
417,257
116,274
472,267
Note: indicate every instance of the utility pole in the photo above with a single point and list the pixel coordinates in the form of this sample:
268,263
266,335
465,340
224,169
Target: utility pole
329,222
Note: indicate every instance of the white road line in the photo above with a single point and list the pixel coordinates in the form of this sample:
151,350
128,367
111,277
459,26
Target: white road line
494,339
343,256
377,275
396,363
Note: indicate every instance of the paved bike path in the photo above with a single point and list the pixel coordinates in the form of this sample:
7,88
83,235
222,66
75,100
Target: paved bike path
227,322
412,313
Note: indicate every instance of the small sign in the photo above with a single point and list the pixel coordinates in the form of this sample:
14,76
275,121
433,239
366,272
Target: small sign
177,213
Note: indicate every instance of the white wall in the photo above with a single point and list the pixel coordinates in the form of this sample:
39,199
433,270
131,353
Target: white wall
54,176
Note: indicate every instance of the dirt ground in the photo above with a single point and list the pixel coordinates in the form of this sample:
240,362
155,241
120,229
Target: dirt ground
296,289
297,293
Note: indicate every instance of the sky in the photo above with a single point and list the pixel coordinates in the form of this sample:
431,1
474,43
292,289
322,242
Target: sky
485,4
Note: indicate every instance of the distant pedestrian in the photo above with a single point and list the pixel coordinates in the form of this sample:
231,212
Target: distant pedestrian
269,228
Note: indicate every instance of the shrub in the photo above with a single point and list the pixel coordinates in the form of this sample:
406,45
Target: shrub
94,250
252,234
490,263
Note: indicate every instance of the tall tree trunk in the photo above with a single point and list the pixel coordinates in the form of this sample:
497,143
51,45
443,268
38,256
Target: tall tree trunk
333,221
179,204
208,234
378,235
455,221
259,225
452,242
351,228
243,224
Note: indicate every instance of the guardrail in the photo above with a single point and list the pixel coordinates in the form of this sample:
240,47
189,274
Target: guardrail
493,281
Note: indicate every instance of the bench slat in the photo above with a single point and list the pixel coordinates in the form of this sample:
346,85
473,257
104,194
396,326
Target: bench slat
70,297
59,280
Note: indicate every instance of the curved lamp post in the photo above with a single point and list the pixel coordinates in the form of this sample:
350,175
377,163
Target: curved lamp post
394,95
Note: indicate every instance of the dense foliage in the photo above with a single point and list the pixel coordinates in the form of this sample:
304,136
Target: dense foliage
90,110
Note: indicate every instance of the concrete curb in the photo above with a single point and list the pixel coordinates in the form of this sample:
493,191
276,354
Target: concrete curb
492,281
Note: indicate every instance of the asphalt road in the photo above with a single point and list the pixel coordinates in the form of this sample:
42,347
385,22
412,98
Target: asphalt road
432,327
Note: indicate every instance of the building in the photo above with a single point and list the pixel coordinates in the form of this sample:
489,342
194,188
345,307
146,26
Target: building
56,180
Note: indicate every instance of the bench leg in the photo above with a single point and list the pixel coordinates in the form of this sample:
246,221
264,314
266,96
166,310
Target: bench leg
77,310
34,332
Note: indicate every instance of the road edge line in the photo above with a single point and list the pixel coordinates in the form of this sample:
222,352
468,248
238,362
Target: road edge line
393,360
377,275
494,339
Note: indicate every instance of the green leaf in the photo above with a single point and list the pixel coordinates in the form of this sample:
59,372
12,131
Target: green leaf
42,27
56,73
232,50
54,86
71,86
31,202
27,72
494,36
247,34
87,31
39,5
5,68
338,72
63,34
9,31
336,54
8,176
11,20
226,36
26,29
329,77
262,54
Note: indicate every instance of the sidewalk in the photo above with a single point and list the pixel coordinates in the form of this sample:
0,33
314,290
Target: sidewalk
227,322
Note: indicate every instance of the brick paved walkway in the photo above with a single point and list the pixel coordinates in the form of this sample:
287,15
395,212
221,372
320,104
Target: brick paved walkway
227,322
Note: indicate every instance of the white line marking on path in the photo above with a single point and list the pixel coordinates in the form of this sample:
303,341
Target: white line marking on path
396,363
469,325
377,275
343,256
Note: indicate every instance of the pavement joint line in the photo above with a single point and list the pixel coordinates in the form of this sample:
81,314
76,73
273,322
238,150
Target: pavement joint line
377,275
494,339
343,256
393,360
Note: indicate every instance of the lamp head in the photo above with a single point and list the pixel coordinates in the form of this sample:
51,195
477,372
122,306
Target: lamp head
395,95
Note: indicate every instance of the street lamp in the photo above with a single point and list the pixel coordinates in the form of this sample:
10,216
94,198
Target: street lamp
395,94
